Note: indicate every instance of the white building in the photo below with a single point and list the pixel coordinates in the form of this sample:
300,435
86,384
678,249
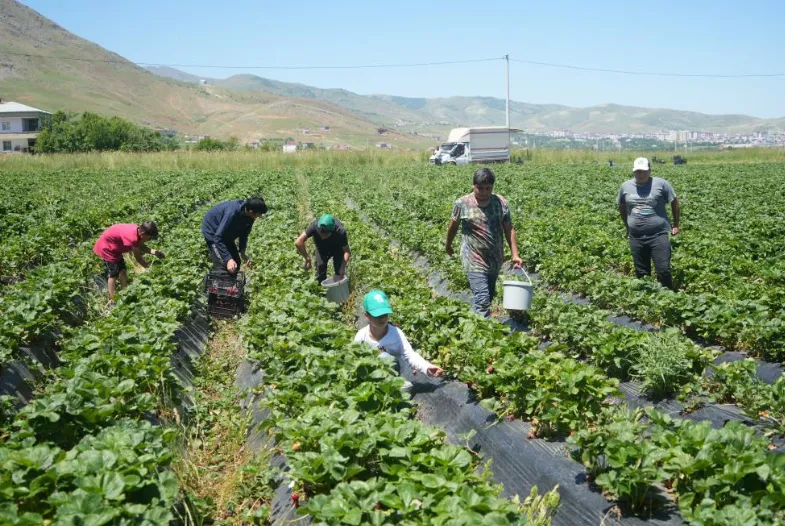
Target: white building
19,126
289,148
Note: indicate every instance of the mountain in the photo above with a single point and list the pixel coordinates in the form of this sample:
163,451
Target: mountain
87,77
438,114
44,65
172,73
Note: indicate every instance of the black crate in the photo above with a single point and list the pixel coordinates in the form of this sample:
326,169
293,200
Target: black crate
222,283
225,293
224,306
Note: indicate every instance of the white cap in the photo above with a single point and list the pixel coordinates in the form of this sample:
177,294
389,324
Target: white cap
641,163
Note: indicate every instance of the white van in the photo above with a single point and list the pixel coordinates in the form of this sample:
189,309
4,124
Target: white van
490,144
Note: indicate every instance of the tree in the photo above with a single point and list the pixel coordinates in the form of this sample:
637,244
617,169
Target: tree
92,132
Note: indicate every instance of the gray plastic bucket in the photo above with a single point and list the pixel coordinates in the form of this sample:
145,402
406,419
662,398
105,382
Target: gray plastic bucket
518,294
337,289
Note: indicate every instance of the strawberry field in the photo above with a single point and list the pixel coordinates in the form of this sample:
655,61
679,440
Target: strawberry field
634,402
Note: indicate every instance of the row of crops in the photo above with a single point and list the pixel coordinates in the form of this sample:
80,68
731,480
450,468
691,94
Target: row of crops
89,448
728,263
628,453
96,445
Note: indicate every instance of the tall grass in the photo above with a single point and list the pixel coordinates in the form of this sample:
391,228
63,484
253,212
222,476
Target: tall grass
209,160
358,159
742,155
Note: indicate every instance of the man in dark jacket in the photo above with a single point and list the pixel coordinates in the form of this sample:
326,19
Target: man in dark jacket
226,222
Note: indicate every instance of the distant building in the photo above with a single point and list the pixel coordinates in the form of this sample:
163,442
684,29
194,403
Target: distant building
325,128
384,146
202,82
289,147
306,145
253,144
20,126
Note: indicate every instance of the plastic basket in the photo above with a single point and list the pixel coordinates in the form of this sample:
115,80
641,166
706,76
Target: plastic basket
224,306
222,283
225,293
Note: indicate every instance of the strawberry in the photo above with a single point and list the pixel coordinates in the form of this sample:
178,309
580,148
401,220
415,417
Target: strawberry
296,500
490,369
296,446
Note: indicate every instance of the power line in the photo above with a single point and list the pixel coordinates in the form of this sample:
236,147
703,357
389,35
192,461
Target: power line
650,73
361,66
410,65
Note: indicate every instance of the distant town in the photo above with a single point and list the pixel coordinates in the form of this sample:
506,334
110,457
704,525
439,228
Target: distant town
671,139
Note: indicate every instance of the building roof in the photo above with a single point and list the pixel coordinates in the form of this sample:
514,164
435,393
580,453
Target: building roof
17,136
15,107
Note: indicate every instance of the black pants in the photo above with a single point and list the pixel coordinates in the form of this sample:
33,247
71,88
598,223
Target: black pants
217,259
323,259
647,248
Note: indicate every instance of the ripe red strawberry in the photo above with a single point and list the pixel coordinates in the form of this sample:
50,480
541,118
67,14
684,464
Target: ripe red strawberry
296,500
490,369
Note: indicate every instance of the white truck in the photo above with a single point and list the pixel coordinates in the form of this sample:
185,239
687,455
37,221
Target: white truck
490,144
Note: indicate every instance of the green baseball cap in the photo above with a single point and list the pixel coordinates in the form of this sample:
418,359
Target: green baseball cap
376,303
326,222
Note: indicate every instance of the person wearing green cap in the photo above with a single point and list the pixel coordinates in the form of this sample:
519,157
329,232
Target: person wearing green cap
389,339
332,242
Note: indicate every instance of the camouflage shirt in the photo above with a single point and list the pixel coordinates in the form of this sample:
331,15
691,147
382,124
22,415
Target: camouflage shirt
482,248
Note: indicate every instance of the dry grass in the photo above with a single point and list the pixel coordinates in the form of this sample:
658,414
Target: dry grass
189,160
215,462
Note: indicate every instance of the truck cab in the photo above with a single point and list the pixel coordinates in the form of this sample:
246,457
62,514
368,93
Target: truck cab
451,153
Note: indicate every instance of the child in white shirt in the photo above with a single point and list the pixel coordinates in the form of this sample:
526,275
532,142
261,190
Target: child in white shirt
389,339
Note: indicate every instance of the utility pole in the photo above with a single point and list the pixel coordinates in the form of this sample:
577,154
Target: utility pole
507,60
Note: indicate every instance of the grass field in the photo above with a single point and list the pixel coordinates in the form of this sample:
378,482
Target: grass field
253,159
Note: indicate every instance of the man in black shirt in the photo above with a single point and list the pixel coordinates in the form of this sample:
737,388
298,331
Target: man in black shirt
329,236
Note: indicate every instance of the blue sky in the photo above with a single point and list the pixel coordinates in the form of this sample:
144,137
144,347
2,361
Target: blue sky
700,36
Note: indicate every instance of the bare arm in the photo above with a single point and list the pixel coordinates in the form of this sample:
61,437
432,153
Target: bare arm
512,240
676,213
138,252
300,244
452,230
623,213
347,256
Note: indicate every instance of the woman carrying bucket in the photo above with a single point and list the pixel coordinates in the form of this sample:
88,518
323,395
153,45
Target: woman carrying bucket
332,242
485,221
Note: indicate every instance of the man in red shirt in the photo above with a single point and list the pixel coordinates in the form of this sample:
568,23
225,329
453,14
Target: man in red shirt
120,239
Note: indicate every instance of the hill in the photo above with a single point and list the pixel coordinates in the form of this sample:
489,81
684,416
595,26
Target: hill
438,114
87,77
46,66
